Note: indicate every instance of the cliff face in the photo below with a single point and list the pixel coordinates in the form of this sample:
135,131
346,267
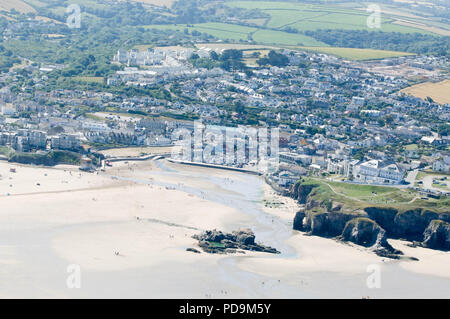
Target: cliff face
371,226
437,235
364,232
354,227
327,224
301,192
409,224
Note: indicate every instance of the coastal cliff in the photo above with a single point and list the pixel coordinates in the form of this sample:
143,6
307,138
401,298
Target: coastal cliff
437,235
335,214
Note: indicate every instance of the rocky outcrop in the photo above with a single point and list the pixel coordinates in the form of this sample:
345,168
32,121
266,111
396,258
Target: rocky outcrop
383,216
217,242
412,223
353,227
244,237
366,232
370,226
299,220
445,217
327,224
301,192
363,231
437,235
409,224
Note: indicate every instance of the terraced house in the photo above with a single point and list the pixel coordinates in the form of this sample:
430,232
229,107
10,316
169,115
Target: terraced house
378,172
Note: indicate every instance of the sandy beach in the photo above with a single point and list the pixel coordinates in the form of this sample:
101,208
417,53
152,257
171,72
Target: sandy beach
128,229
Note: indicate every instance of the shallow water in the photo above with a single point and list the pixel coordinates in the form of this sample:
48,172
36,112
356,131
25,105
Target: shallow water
42,273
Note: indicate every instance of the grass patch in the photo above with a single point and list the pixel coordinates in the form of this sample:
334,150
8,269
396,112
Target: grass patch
6,151
89,79
52,158
304,17
214,244
356,197
411,147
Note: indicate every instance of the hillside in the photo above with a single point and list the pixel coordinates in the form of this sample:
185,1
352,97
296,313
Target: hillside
339,28
369,215
19,5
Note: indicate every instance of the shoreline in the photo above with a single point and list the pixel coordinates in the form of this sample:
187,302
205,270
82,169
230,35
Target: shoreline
148,217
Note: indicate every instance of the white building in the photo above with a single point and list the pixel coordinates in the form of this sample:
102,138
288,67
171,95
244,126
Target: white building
65,142
376,172
442,165
7,109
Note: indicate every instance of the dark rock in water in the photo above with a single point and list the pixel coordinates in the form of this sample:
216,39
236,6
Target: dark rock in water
217,242
193,250
437,235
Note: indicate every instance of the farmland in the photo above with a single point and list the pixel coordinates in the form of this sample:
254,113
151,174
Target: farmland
281,24
345,53
356,54
287,25
226,31
21,6
222,31
160,3
304,17
439,92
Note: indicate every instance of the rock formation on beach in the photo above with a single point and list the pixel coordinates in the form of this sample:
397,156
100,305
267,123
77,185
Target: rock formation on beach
369,226
217,242
437,235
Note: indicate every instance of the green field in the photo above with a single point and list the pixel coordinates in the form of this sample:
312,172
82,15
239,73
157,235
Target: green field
313,17
222,31
356,196
89,79
302,17
226,31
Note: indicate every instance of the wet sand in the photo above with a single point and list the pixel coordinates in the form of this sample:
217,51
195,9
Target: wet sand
128,229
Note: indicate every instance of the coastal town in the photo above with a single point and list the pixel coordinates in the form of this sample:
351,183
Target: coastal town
217,149
349,121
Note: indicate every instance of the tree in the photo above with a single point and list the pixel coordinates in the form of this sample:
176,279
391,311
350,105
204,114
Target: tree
274,59
239,107
231,54
214,56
